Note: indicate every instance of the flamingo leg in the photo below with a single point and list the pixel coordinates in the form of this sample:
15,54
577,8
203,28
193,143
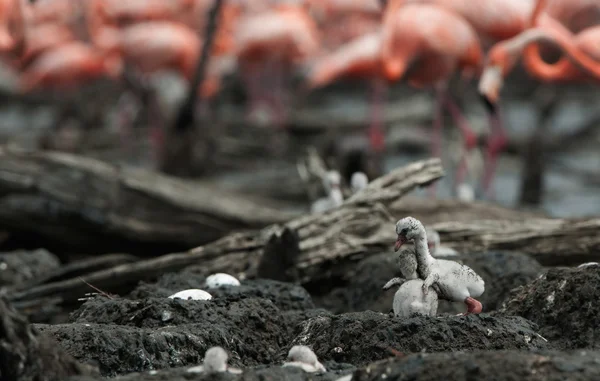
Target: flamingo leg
278,92
252,77
375,132
126,111
496,143
469,137
438,123
156,125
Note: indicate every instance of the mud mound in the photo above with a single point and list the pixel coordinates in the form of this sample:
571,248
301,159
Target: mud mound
130,336
285,296
564,303
363,337
161,312
502,271
22,265
488,365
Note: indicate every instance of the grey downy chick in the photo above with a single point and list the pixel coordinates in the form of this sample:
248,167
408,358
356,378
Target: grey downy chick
303,357
455,282
215,361
358,181
409,297
435,247
332,184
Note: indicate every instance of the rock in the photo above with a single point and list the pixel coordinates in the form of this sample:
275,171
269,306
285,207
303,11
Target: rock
23,265
487,365
363,337
285,296
130,336
564,303
191,294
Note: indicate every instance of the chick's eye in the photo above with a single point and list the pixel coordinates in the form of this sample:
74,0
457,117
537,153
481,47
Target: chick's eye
404,231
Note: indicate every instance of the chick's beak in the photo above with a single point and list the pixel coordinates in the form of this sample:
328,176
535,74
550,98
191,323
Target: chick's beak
399,242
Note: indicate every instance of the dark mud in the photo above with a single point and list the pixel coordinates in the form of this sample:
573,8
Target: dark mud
362,337
492,365
285,296
502,271
565,304
124,335
20,266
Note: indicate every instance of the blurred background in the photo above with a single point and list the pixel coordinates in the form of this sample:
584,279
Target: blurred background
126,82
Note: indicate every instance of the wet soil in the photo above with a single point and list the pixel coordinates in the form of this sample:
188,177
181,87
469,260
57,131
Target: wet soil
564,303
258,322
285,296
488,365
363,337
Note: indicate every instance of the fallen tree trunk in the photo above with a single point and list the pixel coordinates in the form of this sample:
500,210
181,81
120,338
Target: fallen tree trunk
78,203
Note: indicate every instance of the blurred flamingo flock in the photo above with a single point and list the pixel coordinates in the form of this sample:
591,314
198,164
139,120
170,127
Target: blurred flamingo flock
60,45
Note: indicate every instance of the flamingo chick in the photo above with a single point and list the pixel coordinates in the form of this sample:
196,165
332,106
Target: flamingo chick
334,198
455,282
435,247
215,361
358,181
410,298
304,358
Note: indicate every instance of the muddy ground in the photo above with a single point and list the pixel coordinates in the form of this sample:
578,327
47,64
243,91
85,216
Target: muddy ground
537,324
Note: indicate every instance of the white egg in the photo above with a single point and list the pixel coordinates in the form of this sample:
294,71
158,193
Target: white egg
221,279
192,294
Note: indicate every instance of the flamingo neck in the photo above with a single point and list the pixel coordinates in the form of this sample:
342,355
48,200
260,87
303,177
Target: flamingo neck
540,5
424,258
561,40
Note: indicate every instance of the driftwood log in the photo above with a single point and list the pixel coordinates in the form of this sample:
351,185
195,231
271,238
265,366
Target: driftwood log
77,203
552,242
359,227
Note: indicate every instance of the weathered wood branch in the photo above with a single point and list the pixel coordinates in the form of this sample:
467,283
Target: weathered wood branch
551,241
357,228
79,203
434,211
